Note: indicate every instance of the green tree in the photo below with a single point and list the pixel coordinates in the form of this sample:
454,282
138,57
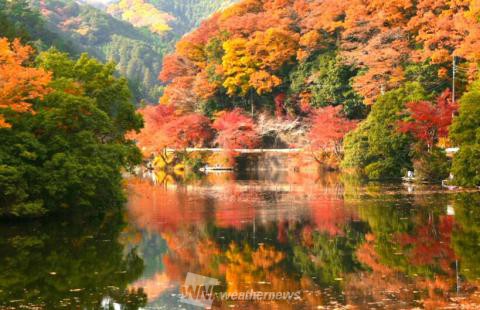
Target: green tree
465,133
328,81
19,20
69,153
376,148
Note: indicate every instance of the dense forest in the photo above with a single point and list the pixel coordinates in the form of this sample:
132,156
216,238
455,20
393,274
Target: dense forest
368,86
64,114
62,123
136,44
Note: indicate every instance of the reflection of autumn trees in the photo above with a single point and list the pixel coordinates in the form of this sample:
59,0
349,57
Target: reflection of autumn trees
156,208
429,245
380,245
327,258
330,215
466,234
409,250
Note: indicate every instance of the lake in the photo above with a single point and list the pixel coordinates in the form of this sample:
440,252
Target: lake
254,241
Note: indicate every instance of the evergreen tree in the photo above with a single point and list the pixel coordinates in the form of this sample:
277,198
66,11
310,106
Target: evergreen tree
376,148
465,133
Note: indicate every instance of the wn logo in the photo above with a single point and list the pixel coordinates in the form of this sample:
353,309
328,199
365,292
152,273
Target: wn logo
198,290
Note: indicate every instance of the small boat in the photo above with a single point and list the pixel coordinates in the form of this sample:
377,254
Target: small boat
410,178
445,183
216,168
447,186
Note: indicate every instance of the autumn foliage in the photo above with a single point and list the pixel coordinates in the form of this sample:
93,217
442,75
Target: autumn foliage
318,61
19,84
235,130
329,127
429,121
167,128
142,14
251,42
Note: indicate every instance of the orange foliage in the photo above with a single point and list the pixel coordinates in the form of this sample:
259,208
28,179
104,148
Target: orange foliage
264,82
19,84
180,94
446,28
174,66
367,255
379,37
156,208
203,87
273,48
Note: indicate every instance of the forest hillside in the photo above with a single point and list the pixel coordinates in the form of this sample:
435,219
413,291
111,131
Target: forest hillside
297,73
136,38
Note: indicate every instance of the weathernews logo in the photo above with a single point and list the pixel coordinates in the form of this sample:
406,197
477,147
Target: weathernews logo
199,291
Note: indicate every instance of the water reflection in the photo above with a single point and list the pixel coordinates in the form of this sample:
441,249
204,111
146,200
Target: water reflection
340,243
72,264
337,241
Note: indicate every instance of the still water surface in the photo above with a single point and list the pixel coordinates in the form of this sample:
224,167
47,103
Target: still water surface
335,242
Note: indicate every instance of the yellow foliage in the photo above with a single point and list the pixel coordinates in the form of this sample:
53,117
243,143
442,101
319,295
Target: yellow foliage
246,62
310,39
179,169
263,82
83,31
238,65
142,14
161,162
191,51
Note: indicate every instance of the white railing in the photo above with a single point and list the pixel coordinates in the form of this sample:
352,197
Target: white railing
243,151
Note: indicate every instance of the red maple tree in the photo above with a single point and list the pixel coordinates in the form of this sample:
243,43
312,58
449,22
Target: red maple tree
235,130
329,128
429,121
188,130
165,127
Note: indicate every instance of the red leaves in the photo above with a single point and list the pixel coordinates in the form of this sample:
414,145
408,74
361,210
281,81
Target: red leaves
165,127
329,128
235,130
174,66
430,244
429,121
189,130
